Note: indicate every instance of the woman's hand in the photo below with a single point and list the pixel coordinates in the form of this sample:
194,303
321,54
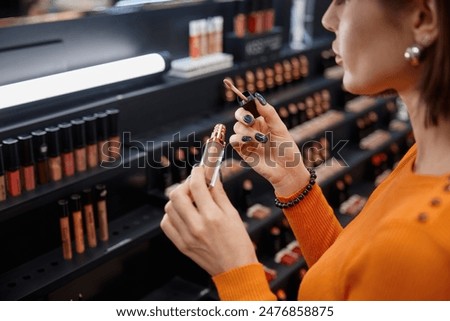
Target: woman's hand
266,145
204,225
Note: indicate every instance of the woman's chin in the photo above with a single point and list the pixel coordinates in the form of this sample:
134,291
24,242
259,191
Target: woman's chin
359,88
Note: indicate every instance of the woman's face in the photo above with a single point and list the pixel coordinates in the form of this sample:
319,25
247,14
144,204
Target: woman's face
369,46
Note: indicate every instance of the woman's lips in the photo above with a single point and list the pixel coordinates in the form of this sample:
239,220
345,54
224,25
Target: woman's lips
338,58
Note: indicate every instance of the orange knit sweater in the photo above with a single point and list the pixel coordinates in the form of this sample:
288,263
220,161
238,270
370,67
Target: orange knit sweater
397,248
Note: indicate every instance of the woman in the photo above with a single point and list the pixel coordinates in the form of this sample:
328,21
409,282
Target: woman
398,248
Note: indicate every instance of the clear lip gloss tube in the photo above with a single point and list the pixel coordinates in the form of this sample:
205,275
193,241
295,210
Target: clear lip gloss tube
213,154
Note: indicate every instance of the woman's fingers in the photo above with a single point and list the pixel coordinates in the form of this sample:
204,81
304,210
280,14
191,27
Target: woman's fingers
200,192
181,208
244,116
221,198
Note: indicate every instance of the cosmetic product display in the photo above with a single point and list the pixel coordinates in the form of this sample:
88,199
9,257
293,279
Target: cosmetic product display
79,142
286,257
213,154
88,210
40,154
67,154
375,139
281,73
27,169
271,274
240,18
77,221
102,212
249,206
64,224
353,205
54,154
12,165
205,50
58,152
102,136
359,104
91,141
114,134
77,213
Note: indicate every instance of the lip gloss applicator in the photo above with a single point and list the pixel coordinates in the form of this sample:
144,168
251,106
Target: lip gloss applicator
213,154
246,99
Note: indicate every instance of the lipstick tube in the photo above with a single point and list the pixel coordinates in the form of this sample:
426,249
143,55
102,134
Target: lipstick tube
194,39
253,20
114,135
102,136
79,143
213,154
67,155
54,154
27,170
102,212
12,164
91,141
77,220
268,15
64,225
40,155
88,209
2,176
240,18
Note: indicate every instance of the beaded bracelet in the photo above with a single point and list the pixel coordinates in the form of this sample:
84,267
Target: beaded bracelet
302,195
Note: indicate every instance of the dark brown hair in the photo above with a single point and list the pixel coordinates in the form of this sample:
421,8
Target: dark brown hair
435,83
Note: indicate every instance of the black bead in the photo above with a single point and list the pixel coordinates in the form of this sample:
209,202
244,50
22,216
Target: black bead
302,195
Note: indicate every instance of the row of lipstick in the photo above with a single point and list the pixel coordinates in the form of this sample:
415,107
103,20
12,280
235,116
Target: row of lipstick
253,17
297,113
77,217
48,155
267,78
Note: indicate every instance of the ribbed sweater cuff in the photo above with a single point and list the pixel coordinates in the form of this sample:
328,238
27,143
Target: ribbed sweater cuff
313,219
246,283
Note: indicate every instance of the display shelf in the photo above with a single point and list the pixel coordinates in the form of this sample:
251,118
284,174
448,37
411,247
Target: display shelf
49,271
44,194
183,128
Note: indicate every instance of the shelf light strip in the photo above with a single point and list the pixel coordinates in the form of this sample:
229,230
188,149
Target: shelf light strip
80,79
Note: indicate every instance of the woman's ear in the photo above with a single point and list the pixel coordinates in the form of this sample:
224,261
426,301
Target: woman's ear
425,22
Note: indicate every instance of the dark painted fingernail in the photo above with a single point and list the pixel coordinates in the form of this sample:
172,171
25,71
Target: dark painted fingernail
246,139
248,119
261,138
261,99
